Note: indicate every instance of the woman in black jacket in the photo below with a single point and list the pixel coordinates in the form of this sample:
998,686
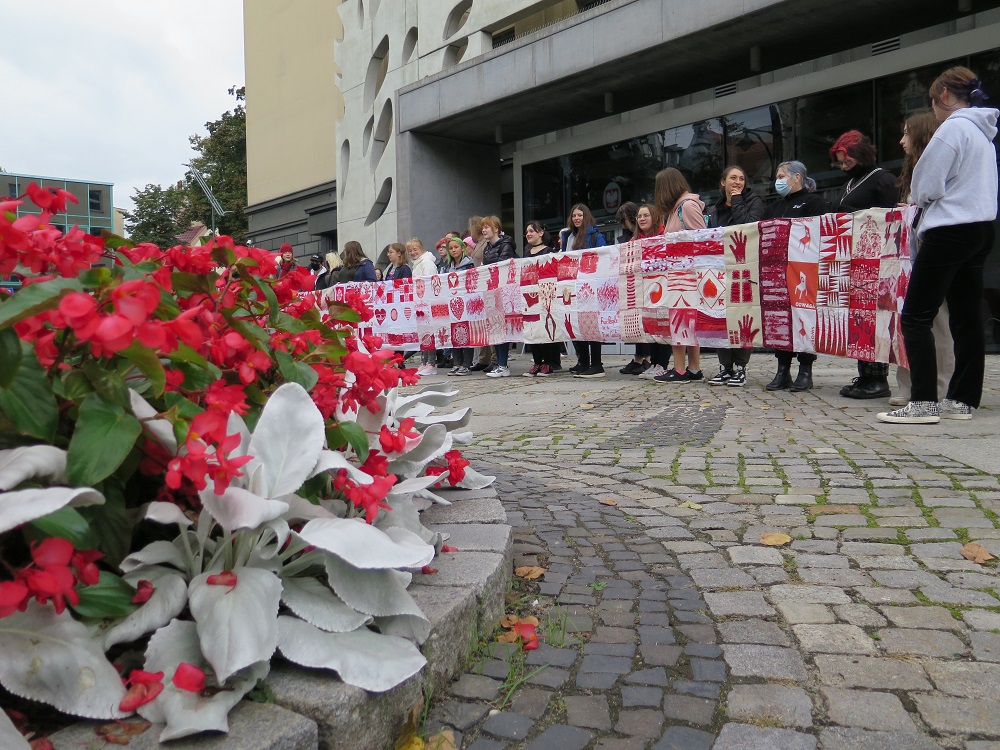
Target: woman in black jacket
499,247
869,187
796,201
738,205
357,266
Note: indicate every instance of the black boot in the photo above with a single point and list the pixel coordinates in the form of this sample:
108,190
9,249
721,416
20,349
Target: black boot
804,380
782,378
870,388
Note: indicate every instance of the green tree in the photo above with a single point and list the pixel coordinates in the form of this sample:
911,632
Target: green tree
222,161
158,216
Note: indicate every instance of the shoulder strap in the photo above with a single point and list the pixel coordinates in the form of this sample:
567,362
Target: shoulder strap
680,211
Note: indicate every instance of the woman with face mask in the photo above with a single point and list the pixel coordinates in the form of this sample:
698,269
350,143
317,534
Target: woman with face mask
796,200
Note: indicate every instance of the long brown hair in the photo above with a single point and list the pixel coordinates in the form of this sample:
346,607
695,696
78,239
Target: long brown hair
669,187
580,235
962,83
919,128
354,255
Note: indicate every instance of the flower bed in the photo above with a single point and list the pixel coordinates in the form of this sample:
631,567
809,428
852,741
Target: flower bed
199,468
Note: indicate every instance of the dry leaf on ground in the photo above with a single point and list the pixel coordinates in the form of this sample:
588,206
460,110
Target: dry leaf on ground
609,501
529,572
586,406
443,740
772,539
690,505
976,552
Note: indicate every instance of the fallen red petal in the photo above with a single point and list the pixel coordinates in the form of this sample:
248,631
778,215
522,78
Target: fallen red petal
189,677
427,570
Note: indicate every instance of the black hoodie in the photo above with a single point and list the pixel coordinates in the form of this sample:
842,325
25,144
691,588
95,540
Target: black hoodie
745,208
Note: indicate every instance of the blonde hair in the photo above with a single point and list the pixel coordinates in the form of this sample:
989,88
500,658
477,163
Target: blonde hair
414,242
333,261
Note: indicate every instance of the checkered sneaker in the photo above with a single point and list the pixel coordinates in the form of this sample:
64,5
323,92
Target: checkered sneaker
915,412
949,409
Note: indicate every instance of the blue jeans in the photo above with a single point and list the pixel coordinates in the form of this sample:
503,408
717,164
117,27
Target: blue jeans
501,350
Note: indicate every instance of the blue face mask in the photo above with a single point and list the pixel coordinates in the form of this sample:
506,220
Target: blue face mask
782,187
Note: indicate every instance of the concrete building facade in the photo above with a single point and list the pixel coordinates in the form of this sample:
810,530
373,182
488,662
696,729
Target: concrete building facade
519,108
293,107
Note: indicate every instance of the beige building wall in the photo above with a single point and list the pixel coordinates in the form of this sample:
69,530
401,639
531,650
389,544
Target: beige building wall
388,44
293,98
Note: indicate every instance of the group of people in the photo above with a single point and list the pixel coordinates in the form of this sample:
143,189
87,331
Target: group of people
949,172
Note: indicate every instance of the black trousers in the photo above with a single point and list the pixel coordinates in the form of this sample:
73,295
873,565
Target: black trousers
734,356
545,354
588,352
948,267
785,358
659,354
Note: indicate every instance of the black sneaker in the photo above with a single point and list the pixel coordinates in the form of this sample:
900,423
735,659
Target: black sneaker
597,371
672,376
644,365
478,367
632,368
722,378
739,378
693,375
578,367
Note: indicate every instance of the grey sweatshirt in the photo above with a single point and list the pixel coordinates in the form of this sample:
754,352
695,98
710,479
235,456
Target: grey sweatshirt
955,180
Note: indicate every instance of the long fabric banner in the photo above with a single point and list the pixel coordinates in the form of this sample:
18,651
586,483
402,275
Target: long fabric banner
830,284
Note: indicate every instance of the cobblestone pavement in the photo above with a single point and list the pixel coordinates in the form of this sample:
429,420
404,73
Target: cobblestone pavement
668,626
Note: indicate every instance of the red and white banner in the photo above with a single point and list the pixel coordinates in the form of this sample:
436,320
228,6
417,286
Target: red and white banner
830,284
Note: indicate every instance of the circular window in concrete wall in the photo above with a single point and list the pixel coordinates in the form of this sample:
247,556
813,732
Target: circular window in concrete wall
366,138
457,18
345,167
378,66
382,133
381,202
361,12
454,53
410,44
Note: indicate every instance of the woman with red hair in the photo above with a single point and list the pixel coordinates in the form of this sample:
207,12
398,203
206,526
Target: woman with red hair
869,186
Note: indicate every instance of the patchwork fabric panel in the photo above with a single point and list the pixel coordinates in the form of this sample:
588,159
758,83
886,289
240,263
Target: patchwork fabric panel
833,284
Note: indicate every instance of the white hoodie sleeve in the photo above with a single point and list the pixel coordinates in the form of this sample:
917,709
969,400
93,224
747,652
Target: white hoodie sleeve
933,171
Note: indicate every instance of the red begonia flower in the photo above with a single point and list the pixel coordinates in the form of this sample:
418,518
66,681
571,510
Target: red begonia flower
143,687
143,591
526,632
189,677
52,552
13,596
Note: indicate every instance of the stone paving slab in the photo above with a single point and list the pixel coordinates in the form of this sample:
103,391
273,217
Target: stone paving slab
868,630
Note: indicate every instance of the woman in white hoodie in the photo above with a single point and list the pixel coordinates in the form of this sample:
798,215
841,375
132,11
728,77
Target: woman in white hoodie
955,186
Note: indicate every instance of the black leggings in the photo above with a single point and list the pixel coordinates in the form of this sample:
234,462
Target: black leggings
948,267
588,352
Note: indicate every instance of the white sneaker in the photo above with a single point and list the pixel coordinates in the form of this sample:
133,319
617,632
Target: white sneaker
499,372
915,412
949,409
652,372
421,371
899,401
431,370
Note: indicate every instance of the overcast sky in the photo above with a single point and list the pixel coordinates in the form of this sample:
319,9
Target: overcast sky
110,90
